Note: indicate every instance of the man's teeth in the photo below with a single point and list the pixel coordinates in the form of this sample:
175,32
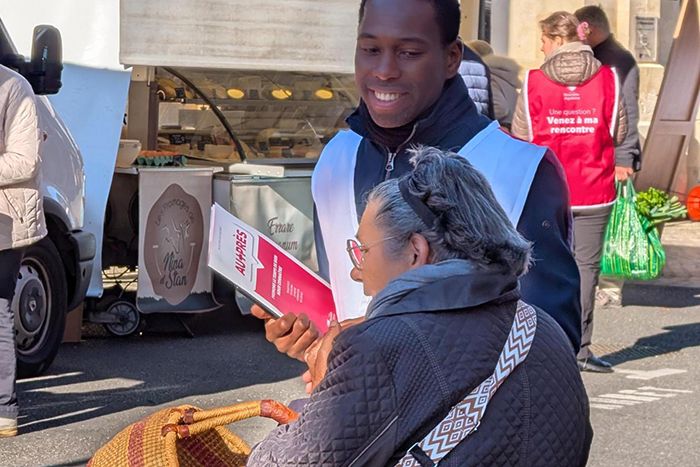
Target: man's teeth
386,96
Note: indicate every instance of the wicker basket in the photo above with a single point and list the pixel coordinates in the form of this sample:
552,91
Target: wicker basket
187,436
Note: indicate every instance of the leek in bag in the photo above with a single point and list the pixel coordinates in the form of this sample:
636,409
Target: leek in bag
632,248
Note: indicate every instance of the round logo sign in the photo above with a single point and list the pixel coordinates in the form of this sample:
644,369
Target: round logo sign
173,244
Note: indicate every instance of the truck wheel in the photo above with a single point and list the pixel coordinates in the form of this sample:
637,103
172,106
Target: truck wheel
39,305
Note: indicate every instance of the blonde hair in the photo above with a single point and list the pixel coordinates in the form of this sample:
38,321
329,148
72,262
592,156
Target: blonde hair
561,24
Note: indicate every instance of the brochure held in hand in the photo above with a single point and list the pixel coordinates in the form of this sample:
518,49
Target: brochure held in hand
265,272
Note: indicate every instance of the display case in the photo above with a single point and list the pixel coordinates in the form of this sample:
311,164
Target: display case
237,116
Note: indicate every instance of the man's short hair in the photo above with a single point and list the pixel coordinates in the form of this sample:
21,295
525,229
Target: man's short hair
594,16
447,15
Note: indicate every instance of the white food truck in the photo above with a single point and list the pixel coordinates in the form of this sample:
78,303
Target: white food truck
227,102
56,271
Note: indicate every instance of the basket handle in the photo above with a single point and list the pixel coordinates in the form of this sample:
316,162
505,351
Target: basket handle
193,422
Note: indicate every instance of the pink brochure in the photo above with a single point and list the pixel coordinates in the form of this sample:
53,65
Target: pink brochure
265,272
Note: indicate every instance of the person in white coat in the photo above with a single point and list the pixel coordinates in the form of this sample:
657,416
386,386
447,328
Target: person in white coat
21,219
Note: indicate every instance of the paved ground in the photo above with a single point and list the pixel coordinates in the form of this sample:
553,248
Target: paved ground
645,413
682,244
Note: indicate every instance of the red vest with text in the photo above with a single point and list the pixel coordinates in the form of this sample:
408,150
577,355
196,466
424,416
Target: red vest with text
577,123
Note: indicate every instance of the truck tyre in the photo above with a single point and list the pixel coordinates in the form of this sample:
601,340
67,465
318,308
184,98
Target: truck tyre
39,306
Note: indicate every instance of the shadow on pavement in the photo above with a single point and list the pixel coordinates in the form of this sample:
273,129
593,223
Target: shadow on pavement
677,338
650,295
104,375
71,464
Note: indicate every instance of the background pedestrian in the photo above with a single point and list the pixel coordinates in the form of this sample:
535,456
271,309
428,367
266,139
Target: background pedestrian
505,82
610,52
21,219
477,77
572,105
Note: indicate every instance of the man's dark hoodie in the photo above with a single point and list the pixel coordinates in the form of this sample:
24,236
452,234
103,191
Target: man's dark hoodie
553,280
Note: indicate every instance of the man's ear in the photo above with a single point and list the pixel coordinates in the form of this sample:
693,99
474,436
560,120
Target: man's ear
454,57
420,249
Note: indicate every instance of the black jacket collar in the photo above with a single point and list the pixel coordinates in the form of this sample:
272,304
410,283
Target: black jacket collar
449,285
610,52
453,111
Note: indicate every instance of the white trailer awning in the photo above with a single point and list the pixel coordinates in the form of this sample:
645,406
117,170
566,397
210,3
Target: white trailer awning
294,35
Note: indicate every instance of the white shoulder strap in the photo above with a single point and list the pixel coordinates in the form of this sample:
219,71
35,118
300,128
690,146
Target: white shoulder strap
509,165
618,102
333,190
465,417
526,104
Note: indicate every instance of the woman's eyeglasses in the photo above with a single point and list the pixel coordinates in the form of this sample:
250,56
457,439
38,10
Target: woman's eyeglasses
357,250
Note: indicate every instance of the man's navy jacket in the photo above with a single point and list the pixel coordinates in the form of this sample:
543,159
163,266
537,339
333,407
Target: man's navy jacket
552,282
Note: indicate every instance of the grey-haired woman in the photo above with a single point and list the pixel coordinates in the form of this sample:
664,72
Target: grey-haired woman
446,345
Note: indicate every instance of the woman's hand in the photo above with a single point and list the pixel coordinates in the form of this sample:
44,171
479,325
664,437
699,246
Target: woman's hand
316,356
291,334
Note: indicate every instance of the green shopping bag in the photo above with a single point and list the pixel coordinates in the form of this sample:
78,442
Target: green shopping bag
632,248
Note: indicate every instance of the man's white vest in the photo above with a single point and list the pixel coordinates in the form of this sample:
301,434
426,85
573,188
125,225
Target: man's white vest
507,163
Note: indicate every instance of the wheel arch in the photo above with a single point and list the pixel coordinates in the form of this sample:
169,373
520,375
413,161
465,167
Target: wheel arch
57,226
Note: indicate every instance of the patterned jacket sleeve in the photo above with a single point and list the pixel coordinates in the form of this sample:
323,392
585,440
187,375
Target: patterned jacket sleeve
347,412
622,123
19,161
477,77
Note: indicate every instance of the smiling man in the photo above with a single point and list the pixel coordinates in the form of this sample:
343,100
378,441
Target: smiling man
406,69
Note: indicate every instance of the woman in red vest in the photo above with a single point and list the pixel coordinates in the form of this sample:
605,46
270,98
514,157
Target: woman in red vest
572,104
